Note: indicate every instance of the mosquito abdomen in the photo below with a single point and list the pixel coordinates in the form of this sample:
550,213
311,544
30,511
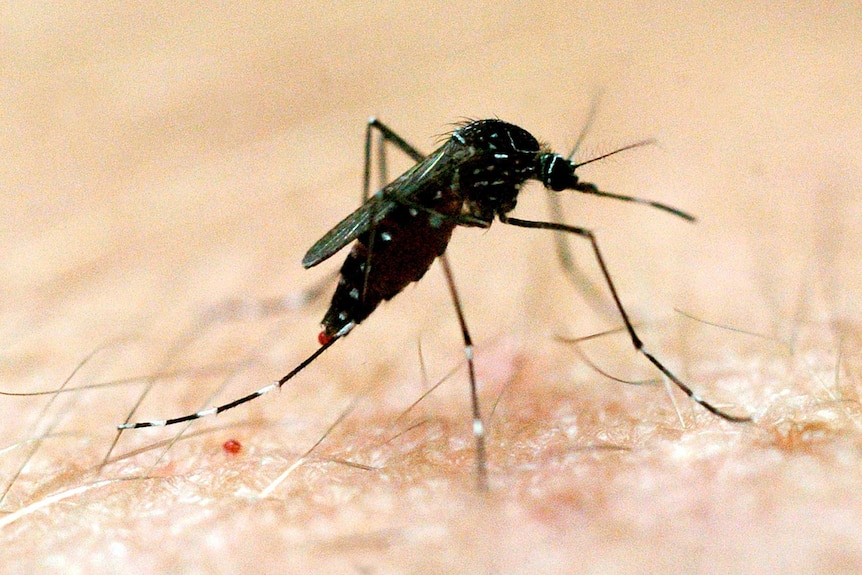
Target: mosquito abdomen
382,262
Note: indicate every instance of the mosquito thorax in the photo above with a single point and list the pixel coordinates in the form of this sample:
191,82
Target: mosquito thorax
501,158
556,172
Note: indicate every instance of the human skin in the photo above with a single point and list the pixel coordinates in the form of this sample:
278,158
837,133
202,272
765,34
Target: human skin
157,165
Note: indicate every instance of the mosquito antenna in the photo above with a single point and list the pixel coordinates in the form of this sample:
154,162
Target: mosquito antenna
647,142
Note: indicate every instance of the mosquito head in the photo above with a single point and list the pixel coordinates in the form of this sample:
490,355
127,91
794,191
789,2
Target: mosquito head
557,173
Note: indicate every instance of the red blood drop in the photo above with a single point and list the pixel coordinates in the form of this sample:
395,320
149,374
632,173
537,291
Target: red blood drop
323,339
232,446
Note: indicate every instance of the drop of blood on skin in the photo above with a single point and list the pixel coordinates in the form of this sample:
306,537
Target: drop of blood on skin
232,446
323,339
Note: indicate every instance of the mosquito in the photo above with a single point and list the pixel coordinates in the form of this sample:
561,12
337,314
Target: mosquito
473,178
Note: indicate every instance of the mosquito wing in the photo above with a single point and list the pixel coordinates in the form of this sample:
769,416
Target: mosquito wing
369,214
372,212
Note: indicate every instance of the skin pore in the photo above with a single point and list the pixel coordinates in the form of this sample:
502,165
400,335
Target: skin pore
151,176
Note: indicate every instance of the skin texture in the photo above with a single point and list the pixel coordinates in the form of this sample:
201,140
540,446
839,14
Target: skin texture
157,166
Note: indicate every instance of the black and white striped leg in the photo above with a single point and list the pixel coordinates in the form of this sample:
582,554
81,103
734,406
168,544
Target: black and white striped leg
387,135
636,341
478,426
238,310
245,399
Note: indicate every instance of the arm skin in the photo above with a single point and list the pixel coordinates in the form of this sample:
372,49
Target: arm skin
150,175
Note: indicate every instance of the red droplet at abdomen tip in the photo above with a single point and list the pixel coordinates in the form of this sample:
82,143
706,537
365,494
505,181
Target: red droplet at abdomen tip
323,338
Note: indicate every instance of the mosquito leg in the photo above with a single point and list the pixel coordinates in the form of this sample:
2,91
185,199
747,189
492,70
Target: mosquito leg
388,135
567,262
239,309
382,171
478,426
636,341
245,399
